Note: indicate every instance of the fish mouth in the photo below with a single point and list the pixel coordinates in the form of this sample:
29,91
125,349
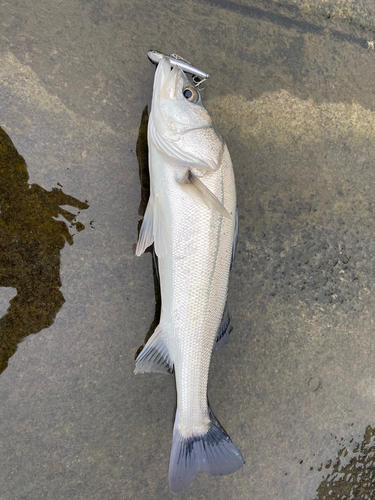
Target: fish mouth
168,80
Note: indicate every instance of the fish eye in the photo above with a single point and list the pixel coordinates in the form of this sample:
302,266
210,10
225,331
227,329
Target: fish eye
191,94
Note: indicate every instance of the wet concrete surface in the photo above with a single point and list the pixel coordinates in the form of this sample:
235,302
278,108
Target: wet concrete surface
358,12
292,93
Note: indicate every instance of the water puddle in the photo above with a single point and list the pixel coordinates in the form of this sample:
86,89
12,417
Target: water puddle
30,244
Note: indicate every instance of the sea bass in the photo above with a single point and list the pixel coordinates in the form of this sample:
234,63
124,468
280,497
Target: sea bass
191,219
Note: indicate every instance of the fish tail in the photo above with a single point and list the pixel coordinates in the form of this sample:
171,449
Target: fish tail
212,452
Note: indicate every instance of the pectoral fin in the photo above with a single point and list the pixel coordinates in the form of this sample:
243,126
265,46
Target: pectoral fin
206,195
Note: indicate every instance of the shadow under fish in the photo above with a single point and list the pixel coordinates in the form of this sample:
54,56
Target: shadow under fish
144,178
30,243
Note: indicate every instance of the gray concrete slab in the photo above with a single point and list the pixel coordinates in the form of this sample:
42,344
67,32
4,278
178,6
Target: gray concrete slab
358,12
292,93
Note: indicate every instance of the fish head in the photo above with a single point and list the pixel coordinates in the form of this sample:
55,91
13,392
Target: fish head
181,126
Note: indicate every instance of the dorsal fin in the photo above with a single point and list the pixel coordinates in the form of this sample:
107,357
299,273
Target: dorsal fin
235,239
223,332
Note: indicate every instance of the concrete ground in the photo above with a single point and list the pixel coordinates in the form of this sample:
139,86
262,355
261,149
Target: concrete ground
292,92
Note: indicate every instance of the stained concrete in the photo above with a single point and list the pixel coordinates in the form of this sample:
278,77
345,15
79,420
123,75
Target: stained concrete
292,93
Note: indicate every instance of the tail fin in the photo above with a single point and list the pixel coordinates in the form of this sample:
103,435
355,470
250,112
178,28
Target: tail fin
212,453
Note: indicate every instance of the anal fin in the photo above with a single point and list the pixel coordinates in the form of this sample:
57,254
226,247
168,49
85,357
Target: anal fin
154,357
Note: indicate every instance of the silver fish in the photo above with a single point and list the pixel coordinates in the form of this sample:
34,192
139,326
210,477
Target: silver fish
191,219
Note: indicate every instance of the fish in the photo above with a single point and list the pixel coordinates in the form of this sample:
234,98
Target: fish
191,218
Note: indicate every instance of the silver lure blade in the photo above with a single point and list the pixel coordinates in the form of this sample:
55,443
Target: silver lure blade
156,56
